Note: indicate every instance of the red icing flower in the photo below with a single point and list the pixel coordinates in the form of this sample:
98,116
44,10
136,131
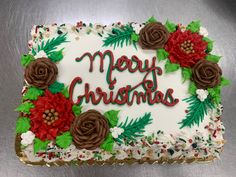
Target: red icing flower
51,116
186,48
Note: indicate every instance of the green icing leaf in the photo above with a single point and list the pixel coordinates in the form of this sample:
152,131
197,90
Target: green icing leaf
64,140
224,82
162,54
171,67
192,88
215,94
65,92
40,145
112,117
76,109
108,143
119,36
52,44
209,44
196,111
134,37
32,93
135,128
186,74
25,107
56,87
152,19
213,58
56,56
194,26
26,59
171,27
22,124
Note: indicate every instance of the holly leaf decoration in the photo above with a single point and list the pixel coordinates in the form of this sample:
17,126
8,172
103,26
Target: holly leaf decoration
171,27
224,82
112,117
64,140
76,110
119,36
215,94
22,124
56,87
192,88
134,37
56,56
186,74
152,19
171,67
162,54
40,145
194,26
108,143
65,92
209,44
26,59
134,129
196,111
32,93
25,107
213,58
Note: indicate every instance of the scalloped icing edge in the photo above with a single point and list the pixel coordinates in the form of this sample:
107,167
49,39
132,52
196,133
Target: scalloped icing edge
23,158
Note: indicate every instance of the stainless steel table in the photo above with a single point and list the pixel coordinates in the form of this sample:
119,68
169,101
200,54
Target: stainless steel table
17,18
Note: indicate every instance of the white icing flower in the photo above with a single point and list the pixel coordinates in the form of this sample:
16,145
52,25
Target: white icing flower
27,138
203,31
137,27
201,94
41,54
116,131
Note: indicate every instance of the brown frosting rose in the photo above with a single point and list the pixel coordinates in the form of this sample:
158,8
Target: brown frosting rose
153,36
89,130
206,74
41,73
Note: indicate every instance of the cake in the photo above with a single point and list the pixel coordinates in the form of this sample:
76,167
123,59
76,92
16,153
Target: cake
120,93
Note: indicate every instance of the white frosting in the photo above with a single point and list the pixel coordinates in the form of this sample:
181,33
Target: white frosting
137,27
203,31
40,54
164,118
201,94
116,131
27,138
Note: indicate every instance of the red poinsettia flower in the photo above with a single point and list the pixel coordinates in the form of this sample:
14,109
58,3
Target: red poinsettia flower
51,116
186,48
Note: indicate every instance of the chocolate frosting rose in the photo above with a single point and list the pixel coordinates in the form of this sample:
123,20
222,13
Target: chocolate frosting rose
153,36
89,130
41,73
206,74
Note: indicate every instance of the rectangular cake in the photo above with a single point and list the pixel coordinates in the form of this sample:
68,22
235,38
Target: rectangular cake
104,94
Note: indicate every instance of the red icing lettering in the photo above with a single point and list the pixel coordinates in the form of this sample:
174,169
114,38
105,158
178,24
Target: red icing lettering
127,94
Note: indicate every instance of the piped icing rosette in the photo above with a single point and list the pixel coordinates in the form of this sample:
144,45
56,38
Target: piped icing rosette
41,73
89,130
153,36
